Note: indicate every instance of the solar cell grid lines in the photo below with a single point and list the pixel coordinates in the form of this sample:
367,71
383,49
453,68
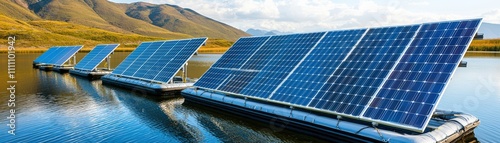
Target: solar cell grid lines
95,57
58,55
413,89
158,60
390,75
45,55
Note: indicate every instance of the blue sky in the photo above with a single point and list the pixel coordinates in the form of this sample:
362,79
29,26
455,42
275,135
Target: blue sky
321,15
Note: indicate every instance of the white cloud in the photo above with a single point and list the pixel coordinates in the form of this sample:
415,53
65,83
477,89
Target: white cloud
492,16
319,15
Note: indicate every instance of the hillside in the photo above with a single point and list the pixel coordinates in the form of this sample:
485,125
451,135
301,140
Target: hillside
44,33
165,21
39,35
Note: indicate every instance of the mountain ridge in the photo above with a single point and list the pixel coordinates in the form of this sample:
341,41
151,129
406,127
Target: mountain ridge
168,21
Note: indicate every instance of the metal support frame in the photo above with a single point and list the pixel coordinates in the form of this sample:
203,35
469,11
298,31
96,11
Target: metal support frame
184,73
108,62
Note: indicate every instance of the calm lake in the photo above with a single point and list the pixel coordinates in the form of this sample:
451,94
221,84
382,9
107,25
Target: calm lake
61,107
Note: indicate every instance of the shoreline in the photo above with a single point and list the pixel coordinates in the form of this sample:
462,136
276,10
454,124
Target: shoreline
86,50
201,51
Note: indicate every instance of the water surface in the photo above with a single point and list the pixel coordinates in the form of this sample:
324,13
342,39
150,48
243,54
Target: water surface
61,107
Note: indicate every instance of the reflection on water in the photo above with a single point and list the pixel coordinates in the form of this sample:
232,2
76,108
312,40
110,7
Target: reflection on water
61,107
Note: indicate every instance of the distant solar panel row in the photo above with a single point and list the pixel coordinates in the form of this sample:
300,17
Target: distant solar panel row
391,75
159,60
95,57
58,55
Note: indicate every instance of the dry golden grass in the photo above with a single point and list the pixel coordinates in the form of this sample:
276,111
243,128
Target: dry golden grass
485,45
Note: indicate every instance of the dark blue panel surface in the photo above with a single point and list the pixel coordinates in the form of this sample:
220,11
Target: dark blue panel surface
239,53
183,53
234,58
95,57
213,78
356,80
45,55
312,73
125,64
143,58
276,59
394,75
159,60
66,54
60,55
412,90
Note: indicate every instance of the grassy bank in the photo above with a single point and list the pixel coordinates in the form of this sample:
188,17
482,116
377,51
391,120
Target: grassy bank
220,46
485,45
212,46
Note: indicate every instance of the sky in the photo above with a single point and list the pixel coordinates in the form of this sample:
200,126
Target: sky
321,15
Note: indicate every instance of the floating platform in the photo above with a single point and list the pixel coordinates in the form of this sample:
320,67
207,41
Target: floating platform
91,74
62,68
445,126
152,67
45,67
156,88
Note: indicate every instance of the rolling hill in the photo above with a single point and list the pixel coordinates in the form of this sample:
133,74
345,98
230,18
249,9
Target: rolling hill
166,21
45,23
177,19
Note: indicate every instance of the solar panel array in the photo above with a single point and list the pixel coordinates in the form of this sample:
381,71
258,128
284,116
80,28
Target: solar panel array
390,75
58,55
95,57
159,60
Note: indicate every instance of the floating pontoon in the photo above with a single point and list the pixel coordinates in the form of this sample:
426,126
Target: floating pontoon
152,66
57,58
88,66
376,84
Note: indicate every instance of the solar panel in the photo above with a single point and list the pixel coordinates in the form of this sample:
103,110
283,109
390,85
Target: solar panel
412,91
45,55
354,82
390,75
159,60
58,55
95,57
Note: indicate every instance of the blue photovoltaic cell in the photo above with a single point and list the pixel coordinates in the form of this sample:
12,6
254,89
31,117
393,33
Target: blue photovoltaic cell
51,55
237,80
68,52
95,57
412,91
142,58
234,58
58,55
183,54
312,73
120,69
213,78
276,59
45,55
390,75
240,52
159,60
354,82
